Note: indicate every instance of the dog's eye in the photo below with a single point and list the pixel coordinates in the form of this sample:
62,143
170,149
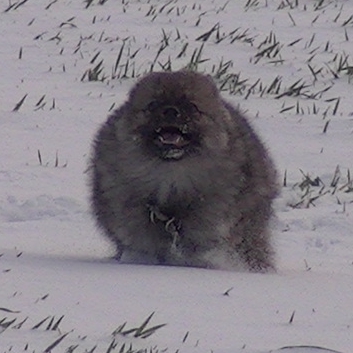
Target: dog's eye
153,105
194,108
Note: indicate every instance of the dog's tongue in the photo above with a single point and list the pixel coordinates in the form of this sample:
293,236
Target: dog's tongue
171,138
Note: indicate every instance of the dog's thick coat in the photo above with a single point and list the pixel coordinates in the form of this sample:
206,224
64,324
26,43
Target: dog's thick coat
179,177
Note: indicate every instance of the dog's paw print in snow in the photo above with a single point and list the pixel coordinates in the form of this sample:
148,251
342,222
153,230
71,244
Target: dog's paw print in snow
39,207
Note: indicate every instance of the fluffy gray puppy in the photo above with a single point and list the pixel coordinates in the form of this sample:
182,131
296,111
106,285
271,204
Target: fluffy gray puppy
178,177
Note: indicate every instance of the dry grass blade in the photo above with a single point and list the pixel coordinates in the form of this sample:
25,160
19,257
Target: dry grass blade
346,22
88,3
9,311
285,109
20,4
267,51
49,327
139,332
19,104
56,325
292,317
119,329
205,37
292,19
112,346
19,325
336,106
50,4
71,349
10,7
118,59
226,293
40,100
308,181
94,58
294,90
15,5
122,348
294,42
149,331
143,325
56,159
92,350
308,348
326,126
55,343
39,157
40,323
336,177
4,325
183,50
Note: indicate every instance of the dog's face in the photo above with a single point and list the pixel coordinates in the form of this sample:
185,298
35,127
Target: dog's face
172,130
172,114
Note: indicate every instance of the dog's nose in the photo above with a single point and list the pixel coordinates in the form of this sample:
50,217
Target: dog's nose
171,112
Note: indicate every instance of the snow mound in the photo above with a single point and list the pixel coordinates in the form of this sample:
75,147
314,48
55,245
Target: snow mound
37,208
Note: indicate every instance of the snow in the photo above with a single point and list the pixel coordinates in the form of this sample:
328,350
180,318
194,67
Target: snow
55,262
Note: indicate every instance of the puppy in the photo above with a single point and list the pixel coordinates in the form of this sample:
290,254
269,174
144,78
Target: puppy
178,177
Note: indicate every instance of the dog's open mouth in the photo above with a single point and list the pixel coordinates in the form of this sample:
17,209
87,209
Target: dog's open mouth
172,140
172,136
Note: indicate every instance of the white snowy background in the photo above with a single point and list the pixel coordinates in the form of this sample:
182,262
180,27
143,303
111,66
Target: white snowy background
64,64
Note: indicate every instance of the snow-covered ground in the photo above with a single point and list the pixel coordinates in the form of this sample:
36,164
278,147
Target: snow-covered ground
287,63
